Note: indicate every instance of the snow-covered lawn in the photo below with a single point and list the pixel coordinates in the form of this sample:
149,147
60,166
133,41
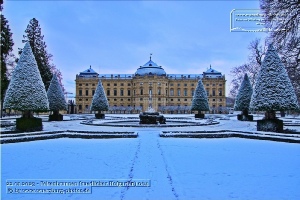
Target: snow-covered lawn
177,168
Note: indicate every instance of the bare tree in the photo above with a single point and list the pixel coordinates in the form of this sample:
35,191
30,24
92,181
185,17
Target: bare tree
257,52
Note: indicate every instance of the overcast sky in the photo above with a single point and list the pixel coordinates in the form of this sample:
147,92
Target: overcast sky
118,36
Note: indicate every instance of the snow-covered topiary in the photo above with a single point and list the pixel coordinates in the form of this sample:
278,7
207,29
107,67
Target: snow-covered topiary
243,98
26,91
199,102
273,89
99,102
56,96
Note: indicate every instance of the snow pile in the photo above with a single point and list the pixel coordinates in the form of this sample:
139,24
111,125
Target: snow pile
26,90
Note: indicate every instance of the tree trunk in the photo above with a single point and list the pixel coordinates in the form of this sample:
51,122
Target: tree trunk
245,112
27,114
270,114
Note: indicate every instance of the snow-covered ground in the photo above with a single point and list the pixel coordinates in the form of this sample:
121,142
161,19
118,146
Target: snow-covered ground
176,168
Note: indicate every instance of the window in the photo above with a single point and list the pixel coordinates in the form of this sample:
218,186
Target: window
86,84
86,99
220,99
207,91
150,91
185,99
86,107
159,99
108,99
178,84
108,84
128,92
93,84
214,84
171,99
80,84
115,84
171,84
178,99
128,84
115,92
220,84
141,99
80,99
166,92
121,92
192,92
133,92
207,84
122,84
159,91
185,84
93,92
178,92
192,84
220,92
108,92
171,92
121,99
86,92
80,107
214,99
128,99
214,93
80,92
141,92
185,92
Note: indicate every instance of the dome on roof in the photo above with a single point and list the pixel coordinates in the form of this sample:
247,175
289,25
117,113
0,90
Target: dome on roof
150,68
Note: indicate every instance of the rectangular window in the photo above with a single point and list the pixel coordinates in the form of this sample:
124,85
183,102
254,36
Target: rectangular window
207,91
80,107
192,92
166,92
86,92
128,92
115,84
108,84
214,93
185,92
80,92
171,92
133,92
220,92
108,92
178,92
158,91
115,92
93,92
141,92
121,92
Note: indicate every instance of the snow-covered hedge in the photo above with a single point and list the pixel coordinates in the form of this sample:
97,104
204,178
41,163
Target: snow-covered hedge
26,91
199,102
56,96
243,98
273,89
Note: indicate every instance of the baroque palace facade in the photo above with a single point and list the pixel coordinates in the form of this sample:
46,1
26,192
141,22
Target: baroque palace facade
134,90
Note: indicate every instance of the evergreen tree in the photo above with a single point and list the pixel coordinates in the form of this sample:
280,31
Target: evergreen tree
36,40
56,96
273,90
199,102
6,48
243,98
99,102
26,91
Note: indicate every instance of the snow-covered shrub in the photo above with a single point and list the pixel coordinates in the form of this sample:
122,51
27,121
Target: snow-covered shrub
56,96
243,98
199,102
99,102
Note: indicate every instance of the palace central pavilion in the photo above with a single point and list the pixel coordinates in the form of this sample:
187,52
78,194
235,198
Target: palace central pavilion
131,92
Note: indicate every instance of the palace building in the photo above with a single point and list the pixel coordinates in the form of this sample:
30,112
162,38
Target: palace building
170,93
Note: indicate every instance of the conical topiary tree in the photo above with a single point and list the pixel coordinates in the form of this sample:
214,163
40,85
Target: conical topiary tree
273,92
99,102
56,99
243,98
26,92
199,102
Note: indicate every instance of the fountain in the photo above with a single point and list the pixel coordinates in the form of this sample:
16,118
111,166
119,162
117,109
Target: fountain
151,116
